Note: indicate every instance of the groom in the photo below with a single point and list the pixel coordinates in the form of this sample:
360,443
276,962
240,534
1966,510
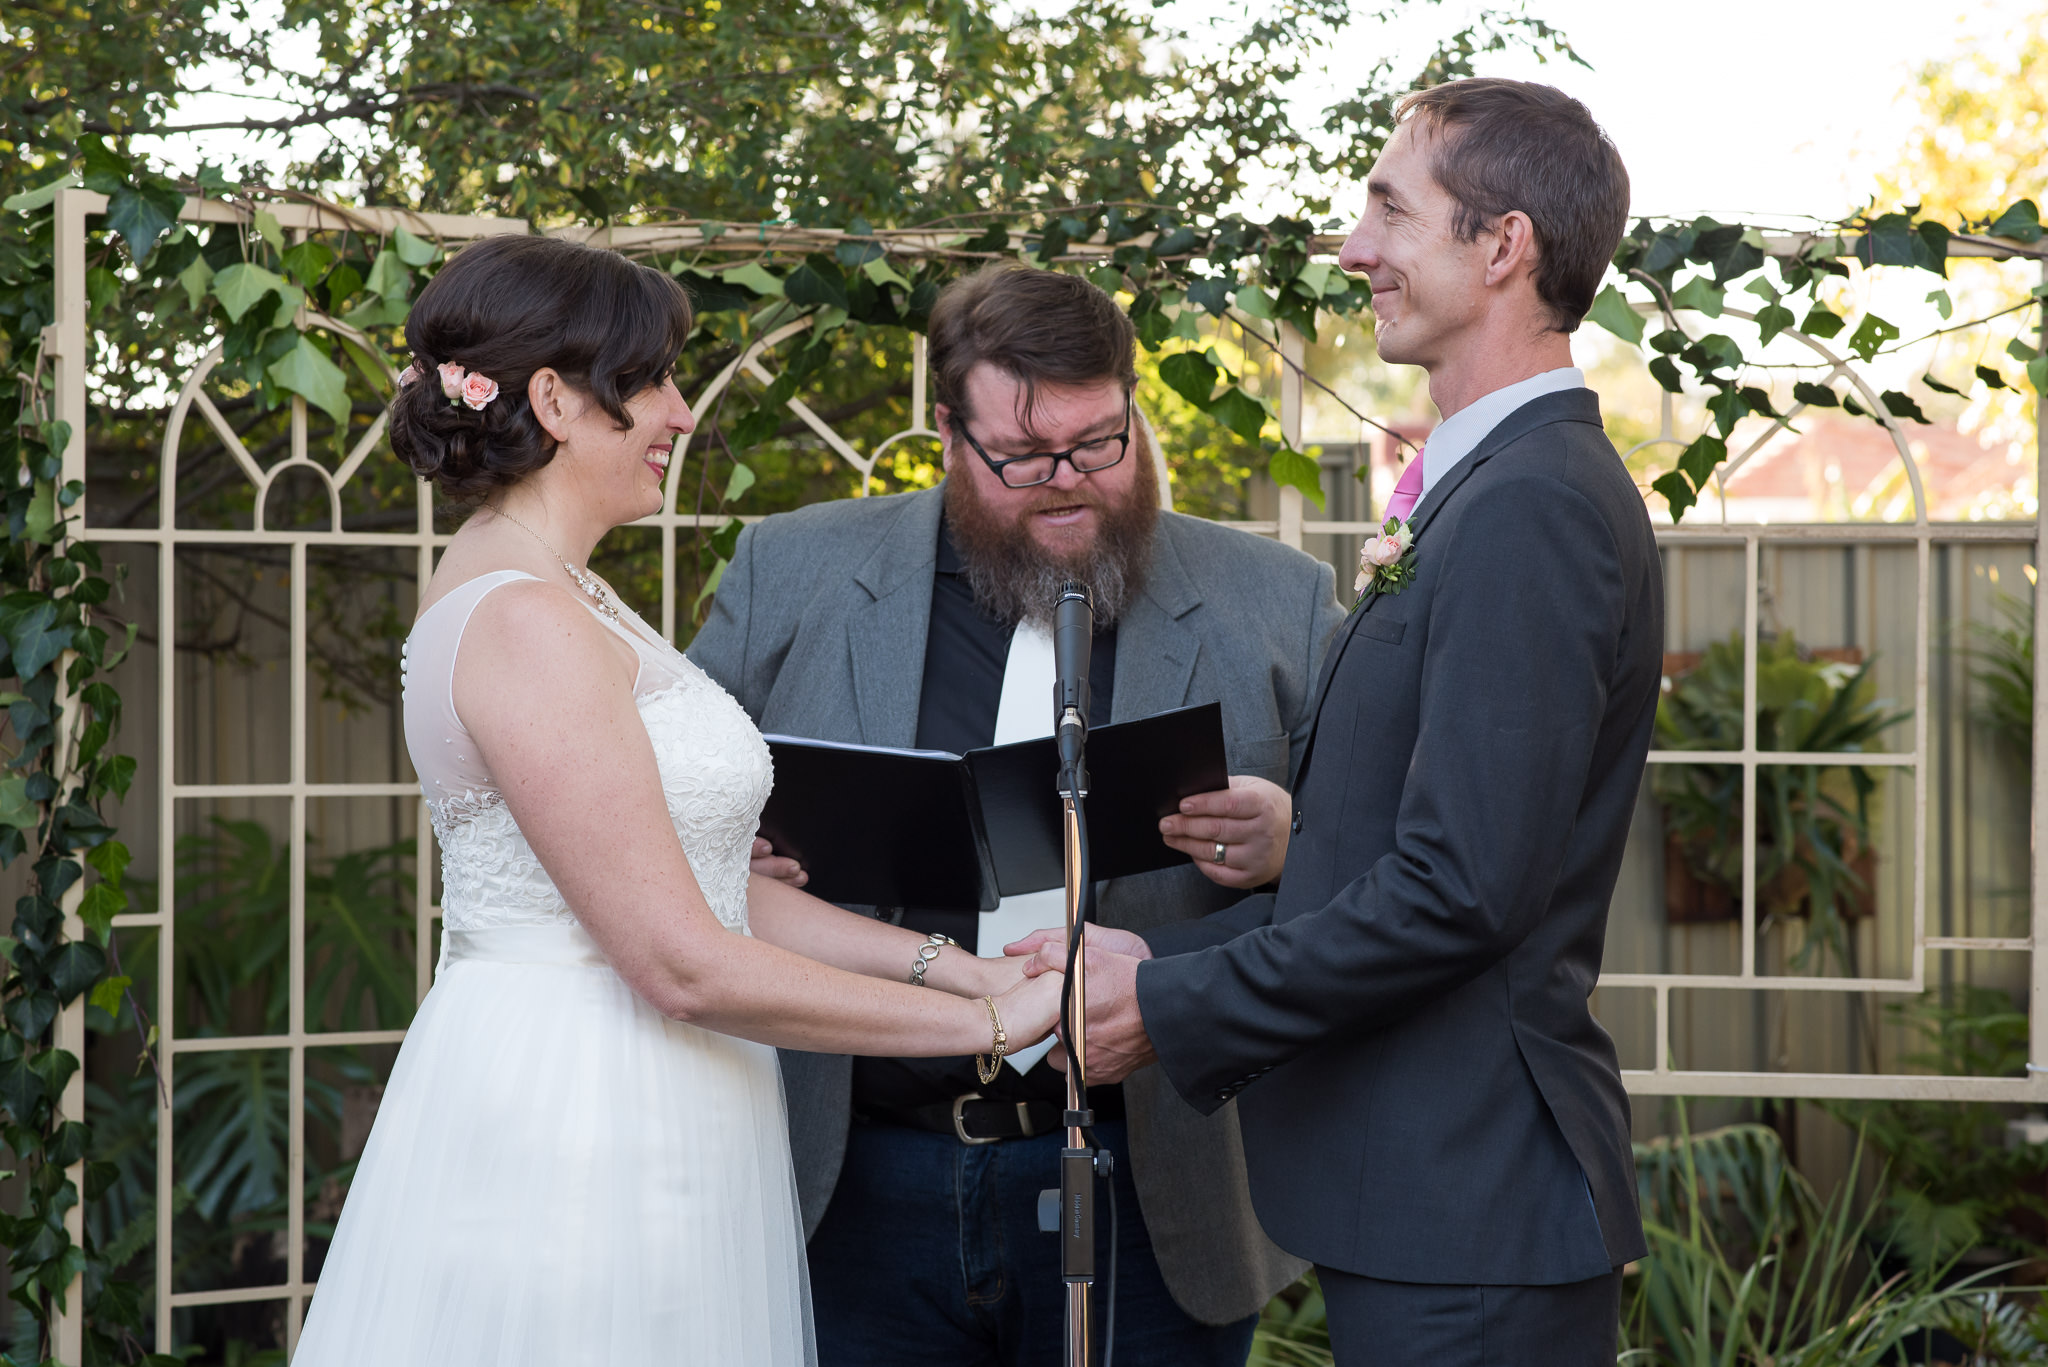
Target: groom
1430,1112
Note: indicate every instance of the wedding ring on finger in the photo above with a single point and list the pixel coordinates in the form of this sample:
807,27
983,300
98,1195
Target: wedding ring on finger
1221,850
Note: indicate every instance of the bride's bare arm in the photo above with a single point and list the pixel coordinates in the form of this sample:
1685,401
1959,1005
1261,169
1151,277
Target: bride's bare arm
547,694
796,920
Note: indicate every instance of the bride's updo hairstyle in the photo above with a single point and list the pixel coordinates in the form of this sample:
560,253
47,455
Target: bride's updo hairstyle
506,307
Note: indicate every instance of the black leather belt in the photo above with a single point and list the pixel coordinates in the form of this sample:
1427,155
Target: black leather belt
973,1119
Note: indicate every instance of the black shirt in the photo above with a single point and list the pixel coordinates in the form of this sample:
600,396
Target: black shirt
965,656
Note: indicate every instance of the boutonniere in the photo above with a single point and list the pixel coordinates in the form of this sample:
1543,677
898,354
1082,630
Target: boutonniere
1386,563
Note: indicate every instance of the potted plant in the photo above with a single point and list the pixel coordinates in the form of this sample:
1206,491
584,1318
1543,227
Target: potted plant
1814,856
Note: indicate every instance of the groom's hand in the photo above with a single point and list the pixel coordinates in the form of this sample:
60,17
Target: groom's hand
1247,822
1048,948
1117,1044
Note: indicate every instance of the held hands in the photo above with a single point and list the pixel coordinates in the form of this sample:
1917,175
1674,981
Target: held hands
1247,823
769,864
1117,1044
1030,1008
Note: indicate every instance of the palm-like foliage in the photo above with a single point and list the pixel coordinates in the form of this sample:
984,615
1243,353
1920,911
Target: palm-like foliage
2005,650
1812,821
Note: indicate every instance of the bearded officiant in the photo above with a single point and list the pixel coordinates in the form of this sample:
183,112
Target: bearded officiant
923,619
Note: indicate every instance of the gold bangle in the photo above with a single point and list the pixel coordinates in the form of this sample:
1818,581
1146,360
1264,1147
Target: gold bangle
926,952
987,1071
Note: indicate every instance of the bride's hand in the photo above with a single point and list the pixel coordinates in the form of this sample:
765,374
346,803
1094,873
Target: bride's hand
1030,1009
769,864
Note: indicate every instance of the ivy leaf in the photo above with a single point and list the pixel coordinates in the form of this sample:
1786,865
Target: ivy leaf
242,285
1698,460
98,908
1254,301
817,282
105,169
1666,374
2037,371
1291,469
1771,320
30,1014
306,371
1189,374
1213,295
28,201
141,214
16,809
21,1091
34,639
1700,294
2020,351
41,519
742,479
1728,408
110,861
414,251
308,261
342,285
76,967
1991,377
1242,414
107,994
1815,395
1930,248
878,269
1937,386
1676,492
1901,405
388,278
2021,222
1870,338
1612,311
1942,303
754,276
197,278
1822,322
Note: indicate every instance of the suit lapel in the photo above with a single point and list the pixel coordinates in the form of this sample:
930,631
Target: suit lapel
1155,650
1581,405
889,623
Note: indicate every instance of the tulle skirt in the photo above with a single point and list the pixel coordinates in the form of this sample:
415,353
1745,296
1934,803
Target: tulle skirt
559,1175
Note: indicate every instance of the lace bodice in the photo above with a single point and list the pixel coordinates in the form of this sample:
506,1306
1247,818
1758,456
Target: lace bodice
715,774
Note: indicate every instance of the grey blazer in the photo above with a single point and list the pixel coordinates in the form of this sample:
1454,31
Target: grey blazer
1426,1095
818,628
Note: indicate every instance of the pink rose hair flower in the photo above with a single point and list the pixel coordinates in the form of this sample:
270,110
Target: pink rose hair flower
451,380
479,390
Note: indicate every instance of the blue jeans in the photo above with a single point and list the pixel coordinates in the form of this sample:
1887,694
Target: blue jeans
931,1253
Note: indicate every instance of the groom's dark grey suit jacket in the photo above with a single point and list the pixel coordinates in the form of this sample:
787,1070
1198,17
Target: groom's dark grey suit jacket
819,629
1426,1096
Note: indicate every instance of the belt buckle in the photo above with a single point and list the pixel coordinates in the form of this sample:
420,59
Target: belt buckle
960,1121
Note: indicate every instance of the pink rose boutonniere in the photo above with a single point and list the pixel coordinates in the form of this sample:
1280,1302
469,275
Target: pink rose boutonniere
1386,563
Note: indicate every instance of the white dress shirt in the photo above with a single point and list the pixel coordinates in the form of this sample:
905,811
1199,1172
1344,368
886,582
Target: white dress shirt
1457,436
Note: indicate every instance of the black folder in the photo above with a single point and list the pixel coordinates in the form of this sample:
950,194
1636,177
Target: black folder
924,828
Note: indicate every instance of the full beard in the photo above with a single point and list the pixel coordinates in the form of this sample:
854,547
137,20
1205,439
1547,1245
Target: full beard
1015,579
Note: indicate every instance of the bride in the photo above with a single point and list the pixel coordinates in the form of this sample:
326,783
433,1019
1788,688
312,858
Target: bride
581,1155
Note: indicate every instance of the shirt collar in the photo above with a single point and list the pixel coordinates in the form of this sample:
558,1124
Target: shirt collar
1457,436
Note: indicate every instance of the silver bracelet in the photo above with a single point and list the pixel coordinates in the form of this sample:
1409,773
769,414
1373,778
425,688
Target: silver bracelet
926,952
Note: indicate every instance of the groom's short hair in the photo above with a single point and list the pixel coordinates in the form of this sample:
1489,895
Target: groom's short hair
1038,326
1500,145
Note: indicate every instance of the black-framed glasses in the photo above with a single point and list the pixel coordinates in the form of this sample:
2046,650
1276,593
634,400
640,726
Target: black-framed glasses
1022,472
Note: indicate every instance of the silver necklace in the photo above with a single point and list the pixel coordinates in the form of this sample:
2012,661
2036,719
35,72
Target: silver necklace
584,580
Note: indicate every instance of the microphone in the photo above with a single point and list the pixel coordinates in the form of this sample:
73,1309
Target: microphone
1073,640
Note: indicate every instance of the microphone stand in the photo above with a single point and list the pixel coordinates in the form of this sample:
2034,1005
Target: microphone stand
1078,1159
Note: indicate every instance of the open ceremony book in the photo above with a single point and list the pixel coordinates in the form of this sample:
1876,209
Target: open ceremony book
923,828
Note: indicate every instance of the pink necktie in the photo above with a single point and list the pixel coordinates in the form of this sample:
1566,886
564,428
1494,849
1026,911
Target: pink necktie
1407,490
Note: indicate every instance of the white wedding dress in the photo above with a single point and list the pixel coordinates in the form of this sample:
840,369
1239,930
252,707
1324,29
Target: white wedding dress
559,1175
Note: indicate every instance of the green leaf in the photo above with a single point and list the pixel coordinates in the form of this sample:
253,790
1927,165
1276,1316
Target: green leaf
1189,374
2021,222
1242,414
141,214
1256,302
102,287
1870,338
1612,311
1728,408
98,908
197,278
388,278
414,251
817,282
242,285
16,810
105,169
341,285
1937,386
1901,405
881,272
270,231
306,371
1814,395
1942,303
711,583
28,201
308,261
742,479
107,994
109,859
2020,351
1990,376
1315,278
1666,374
2037,371
754,276
76,967
42,517
1822,322
1698,460
1701,294
1291,469
1676,492
1771,320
